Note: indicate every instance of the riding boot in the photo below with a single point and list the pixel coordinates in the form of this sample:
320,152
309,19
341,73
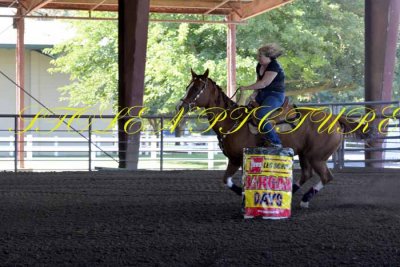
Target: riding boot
265,140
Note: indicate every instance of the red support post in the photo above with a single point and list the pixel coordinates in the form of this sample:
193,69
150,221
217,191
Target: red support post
20,80
133,20
381,32
231,58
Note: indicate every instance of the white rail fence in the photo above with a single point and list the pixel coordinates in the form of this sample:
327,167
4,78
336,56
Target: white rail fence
151,147
177,153
154,152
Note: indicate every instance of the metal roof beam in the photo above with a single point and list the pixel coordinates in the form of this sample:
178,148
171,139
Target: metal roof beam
35,5
257,7
216,7
98,4
190,4
239,9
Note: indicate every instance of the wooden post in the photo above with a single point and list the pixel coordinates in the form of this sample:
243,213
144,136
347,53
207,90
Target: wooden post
231,58
20,80
133,20
381,33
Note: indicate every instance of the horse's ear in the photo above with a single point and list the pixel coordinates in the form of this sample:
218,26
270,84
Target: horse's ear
193,73
205,75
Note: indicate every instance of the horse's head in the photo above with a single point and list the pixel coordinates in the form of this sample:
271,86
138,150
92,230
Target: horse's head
196,95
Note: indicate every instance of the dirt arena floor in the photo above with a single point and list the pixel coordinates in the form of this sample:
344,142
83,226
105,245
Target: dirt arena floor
187,218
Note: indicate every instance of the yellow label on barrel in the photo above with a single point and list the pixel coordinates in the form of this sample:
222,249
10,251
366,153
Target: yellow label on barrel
267,198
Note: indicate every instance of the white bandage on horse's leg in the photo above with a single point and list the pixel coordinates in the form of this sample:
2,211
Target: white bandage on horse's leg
229,182
312,192
318,186
231,185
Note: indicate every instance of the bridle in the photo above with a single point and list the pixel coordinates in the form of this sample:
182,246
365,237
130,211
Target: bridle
200,92
193,103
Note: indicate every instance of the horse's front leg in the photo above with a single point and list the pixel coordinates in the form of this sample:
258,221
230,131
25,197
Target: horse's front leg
230,171
325,175
306,173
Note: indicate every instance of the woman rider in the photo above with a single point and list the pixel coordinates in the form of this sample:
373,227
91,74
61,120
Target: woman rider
270,86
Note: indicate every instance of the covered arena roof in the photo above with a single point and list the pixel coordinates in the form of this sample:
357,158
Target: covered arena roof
241,9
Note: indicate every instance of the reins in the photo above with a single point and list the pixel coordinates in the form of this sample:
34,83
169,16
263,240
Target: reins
235,94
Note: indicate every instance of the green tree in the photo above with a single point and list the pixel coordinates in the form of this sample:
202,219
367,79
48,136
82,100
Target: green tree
324,43
90,58
324,58
91,61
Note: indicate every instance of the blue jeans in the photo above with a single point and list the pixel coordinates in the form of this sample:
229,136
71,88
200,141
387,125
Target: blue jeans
271,101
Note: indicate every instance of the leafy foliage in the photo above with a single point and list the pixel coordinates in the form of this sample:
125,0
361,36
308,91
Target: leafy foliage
90,58
324,43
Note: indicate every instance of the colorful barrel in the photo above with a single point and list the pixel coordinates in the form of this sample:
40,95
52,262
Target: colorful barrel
267,182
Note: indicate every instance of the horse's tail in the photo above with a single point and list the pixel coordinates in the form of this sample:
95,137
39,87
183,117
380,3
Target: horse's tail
353,129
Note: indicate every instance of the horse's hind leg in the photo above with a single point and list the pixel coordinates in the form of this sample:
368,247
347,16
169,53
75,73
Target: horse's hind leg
306,173
325,175
230,171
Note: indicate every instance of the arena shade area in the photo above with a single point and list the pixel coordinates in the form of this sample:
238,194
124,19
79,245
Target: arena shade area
188,218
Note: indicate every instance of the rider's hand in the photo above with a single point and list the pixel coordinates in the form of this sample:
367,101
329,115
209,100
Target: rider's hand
242,88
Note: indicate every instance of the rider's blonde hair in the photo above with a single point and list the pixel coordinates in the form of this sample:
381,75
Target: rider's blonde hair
270,50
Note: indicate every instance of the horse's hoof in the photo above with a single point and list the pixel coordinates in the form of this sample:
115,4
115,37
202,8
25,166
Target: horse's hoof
304,205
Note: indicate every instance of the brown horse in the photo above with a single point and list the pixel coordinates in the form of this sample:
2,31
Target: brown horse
313,146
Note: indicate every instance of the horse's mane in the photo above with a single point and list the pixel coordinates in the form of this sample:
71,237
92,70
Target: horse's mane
228,103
